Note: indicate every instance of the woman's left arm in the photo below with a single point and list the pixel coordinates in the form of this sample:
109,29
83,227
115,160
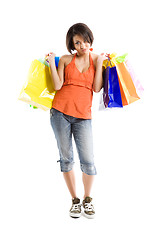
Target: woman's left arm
98,79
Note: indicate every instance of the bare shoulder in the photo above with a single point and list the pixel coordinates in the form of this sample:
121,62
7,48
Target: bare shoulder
66,59
94,56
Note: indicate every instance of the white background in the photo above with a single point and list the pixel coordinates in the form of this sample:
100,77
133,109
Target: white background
34,201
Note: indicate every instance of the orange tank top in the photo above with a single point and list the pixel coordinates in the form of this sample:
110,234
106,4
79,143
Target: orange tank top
75,96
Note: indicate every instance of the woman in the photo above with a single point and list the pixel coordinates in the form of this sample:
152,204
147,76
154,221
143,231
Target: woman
77,77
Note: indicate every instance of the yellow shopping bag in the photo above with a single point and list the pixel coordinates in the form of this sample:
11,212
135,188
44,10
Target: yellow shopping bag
38,90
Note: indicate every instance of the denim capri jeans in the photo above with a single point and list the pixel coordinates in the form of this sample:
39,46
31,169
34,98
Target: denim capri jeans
64,127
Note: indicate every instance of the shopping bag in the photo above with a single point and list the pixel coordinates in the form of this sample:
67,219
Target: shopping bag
135,79
105,87
111,93
127,87
130,87
38,90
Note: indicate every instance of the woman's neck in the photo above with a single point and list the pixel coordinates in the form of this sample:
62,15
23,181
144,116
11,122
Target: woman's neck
83,56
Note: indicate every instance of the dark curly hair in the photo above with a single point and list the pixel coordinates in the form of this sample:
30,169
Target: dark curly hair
78,29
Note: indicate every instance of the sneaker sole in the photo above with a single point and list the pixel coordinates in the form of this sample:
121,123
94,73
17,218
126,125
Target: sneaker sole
75,215
88,216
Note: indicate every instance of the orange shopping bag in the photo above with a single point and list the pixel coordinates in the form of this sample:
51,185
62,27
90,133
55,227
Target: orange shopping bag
127,88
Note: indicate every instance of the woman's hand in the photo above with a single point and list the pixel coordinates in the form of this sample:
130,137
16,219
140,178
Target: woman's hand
101,58
50,57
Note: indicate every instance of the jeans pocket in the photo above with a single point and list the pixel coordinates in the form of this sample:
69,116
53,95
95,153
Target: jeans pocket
52,112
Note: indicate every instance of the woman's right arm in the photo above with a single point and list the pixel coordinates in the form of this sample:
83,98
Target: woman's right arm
56,76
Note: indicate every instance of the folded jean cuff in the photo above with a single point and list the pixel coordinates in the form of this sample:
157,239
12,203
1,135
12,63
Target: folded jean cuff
89,169
65,166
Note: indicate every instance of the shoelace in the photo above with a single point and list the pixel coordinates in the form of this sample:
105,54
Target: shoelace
88,207
75,207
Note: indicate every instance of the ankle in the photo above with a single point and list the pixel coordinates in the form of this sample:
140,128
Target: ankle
85,196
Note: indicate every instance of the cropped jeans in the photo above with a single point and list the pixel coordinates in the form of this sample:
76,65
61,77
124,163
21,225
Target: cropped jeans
64,128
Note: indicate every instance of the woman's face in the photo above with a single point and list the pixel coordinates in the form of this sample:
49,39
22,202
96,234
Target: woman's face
81,46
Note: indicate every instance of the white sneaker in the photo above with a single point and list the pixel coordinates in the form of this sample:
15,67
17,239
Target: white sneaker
88,207
75,211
